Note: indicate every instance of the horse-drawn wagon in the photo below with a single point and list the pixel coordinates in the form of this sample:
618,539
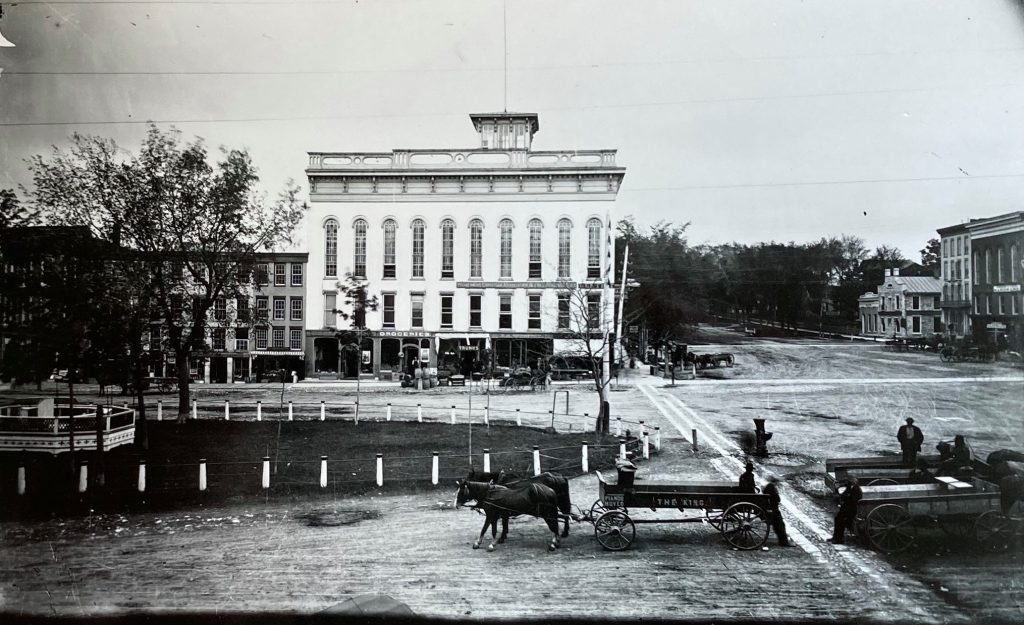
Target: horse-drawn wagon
741,517
705,361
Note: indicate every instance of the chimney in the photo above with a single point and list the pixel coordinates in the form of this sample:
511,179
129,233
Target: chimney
888,272
895,271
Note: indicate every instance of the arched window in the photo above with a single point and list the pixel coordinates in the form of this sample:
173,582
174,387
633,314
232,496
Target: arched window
564,247
594,248
476,248
977,275
359,249
1014,263
536,228
505,230
390,227
447,249
331,249
1000,259
417,248
988,267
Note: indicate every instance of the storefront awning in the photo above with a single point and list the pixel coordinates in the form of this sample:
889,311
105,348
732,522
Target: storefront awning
297,354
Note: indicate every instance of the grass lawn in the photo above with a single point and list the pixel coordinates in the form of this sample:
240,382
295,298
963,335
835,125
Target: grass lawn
234,451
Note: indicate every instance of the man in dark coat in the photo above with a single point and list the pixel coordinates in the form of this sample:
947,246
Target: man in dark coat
847,509
775,511
910,438
747,484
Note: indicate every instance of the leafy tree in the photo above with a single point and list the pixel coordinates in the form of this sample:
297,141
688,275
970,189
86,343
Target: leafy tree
931,255
584,318
195,228
357,300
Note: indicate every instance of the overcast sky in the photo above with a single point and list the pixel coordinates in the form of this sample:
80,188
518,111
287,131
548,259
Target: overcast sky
754,120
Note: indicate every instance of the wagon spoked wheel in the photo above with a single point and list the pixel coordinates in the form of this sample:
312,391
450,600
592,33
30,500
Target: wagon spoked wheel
615,530
882,481
597,510
956,526
993,531
889,528
744,526
730,361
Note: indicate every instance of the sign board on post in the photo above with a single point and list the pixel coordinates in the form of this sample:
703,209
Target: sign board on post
996,325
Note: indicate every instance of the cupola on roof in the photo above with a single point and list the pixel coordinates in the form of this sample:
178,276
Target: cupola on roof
505,131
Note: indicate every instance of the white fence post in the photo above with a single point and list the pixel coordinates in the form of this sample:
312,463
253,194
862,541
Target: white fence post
323,471
622,448
536,460
323,410
433,470
141,482
227,410
647,445
357,411
380,469
419,413
584,459
618,426
83,476
195,410
291,412
202,474
159,410
453,415
487,461
21,479
259,410
266,472
388,418
519,417
487,416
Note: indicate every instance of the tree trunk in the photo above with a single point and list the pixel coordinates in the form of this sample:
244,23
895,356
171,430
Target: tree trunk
141,431
181,364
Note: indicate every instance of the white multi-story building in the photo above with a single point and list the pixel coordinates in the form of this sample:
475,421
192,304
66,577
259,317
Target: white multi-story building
466,250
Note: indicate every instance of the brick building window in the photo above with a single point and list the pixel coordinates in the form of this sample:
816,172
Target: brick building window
296,274
476,248
476,310
416,299
417,248
594,248
447,310
388,309
296,309
533,321
505,248
280,274
359,249
564,247
331,249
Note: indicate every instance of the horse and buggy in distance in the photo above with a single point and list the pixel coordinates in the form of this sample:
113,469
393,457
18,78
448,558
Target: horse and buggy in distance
979,502
741,517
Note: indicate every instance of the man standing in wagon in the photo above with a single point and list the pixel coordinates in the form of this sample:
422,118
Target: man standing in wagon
910,438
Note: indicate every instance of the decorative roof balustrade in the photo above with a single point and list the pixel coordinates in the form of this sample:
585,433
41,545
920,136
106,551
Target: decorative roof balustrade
472,159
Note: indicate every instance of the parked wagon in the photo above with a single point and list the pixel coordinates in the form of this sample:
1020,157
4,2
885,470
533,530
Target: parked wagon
740,517
870,471
705,361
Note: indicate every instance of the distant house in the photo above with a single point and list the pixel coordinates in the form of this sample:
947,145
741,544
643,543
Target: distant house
904,306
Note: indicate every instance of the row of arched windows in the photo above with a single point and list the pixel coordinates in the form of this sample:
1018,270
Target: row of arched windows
535,230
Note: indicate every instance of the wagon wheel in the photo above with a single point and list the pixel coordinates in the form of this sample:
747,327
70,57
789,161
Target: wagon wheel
597,510
729,360
889,528
615,530
744,526
956,526
993,531
882,481
947,354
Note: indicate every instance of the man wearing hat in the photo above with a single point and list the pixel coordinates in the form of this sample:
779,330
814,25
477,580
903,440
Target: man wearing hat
747,483
910,438
775,510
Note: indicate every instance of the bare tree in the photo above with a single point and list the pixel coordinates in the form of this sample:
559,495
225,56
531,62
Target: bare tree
585,318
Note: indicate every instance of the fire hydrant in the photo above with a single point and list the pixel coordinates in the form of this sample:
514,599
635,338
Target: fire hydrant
761,438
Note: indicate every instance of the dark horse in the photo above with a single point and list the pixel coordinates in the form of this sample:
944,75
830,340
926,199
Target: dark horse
503,502
555,482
